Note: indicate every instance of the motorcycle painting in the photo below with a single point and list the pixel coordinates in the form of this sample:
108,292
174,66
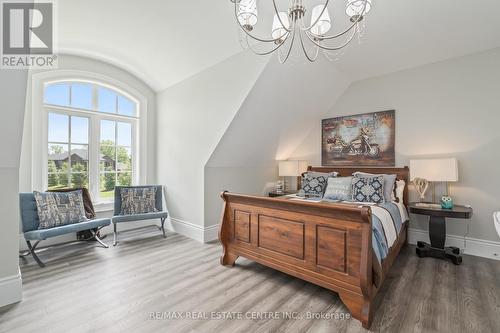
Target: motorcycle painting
359,140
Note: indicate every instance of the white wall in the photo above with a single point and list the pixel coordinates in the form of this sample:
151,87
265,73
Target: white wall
448,108
12,99
275,118
192,117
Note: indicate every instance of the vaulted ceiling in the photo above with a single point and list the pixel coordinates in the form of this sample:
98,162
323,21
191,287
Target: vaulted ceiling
164,42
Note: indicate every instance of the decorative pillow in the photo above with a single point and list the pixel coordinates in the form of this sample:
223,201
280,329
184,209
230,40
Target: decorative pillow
389,183
138,200
57,208
314,184
368,189
339,188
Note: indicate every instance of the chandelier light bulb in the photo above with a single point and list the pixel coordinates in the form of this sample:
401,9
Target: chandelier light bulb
323,24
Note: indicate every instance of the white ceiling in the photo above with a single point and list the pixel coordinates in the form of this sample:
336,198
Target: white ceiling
164,42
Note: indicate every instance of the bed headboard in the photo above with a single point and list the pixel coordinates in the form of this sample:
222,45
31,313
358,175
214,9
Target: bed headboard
402,173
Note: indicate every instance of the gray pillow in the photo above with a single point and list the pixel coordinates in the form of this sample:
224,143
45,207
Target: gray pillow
339,188
59,208
314,184
389,183
138,200
368,189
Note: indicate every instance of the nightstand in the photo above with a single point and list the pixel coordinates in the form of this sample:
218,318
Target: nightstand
274,194
437,231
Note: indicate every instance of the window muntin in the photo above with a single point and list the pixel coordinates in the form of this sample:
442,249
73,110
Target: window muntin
91,131
88,96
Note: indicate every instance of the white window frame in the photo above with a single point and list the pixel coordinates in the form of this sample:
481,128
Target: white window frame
40,127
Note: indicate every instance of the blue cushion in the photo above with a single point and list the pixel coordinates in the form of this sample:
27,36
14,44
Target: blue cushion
29,214
139,217
66,229
118,198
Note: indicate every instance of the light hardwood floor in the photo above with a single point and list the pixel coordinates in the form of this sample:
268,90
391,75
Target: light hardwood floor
85,288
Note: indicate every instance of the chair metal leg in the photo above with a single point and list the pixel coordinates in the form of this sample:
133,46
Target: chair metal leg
163,227
114,235
98,239
33,253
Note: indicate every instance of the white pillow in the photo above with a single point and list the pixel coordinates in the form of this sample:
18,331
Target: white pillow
400,190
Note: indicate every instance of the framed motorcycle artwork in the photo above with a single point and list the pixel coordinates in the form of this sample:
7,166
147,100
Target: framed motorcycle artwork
359,140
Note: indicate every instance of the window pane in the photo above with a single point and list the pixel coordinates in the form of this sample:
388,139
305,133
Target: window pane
57,181
124,134
107,158
125,106
106,100
124,156
58,158
80,179
108,132
81,96
57,94
58,127
107,185
79,158
79,130
125,178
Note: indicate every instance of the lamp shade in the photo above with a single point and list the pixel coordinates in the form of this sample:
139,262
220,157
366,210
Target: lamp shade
435,170
247,13
357,7
279,31
324,23
292,168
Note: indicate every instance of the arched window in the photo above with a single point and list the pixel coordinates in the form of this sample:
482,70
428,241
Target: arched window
91,137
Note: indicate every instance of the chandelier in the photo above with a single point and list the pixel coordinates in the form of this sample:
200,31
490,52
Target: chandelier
289,26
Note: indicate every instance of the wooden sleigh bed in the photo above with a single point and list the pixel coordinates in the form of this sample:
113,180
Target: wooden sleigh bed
328,244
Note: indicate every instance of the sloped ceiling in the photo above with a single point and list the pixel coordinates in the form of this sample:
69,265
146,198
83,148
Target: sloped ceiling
164,42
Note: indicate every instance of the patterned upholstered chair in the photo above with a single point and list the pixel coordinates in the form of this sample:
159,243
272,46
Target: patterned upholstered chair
119,217
30,222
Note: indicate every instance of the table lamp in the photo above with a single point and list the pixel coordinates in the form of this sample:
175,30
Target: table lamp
292,169
433,170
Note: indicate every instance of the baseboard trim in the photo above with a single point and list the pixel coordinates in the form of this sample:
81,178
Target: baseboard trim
475,247
193,231
11,289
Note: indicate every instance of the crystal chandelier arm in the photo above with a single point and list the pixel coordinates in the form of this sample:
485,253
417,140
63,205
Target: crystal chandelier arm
311,59
358,19
282,61
319,17
267,52
263,40
324,47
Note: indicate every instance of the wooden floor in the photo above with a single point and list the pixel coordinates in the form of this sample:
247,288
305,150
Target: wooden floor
136,285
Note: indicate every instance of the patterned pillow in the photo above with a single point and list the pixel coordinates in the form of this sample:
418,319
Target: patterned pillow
59,208
389,184
138,200
368,189
339,189
314,184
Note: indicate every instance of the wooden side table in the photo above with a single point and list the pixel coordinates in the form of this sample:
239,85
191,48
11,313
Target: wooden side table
437,231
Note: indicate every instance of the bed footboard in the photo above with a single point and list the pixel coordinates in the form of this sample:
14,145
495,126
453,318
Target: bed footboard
326,244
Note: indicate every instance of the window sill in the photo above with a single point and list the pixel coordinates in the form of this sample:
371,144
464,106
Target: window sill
104,207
